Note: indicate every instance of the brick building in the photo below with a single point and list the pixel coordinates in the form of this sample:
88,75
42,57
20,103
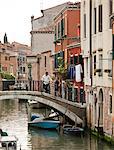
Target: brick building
13,59
67,46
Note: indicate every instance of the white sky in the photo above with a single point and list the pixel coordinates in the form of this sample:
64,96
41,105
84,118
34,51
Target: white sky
15,16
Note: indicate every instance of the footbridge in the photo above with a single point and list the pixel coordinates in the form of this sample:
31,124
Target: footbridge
70,109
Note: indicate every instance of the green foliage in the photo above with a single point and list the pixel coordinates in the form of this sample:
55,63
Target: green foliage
7,76
61,69
29,65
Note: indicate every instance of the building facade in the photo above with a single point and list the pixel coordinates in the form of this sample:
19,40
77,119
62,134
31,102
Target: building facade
43,29
67,47
97,54
112,24
19,52
13,59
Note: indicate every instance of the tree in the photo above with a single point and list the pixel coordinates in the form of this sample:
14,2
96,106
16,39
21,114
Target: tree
61,69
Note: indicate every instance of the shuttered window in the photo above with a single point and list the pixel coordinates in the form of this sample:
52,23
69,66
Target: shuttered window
58,30
55,33
84,25
75,60
62,27
94,65
95,20
100,18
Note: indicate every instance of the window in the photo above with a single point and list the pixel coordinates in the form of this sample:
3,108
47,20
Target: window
45,61
95,20
55,33
100,18
84,25
71,60
23,59
100,65
75,60
23,69
6,58
80,60
110,7
110,109
94,65
11,69
58,30
4,68
110,64
62,27
86,66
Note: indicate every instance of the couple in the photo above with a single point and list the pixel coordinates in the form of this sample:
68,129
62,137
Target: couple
46,82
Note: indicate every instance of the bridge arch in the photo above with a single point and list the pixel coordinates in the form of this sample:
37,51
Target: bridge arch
64,107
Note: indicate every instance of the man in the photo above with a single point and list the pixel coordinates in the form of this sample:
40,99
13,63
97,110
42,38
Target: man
46,82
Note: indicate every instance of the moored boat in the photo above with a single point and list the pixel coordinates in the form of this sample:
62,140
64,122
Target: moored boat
44,123
3,133
8,142
70,129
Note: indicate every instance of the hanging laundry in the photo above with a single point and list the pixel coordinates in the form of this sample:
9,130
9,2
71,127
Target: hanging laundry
71,72
78,71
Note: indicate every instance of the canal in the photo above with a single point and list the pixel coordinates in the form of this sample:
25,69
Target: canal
14,120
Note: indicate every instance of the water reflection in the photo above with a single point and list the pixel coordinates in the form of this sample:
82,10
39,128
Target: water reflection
43,133
14,120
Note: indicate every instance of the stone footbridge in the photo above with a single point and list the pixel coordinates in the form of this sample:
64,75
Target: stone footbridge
75,111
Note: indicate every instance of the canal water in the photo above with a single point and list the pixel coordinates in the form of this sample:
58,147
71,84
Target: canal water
14,120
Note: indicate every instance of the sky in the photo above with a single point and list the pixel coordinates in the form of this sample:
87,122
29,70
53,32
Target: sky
15,16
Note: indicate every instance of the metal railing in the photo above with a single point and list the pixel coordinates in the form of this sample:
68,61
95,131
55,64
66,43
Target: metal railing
32,85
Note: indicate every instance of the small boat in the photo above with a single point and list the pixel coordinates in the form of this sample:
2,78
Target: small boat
54,115
8,142
32,102
44,123
70,129
3,133
34,116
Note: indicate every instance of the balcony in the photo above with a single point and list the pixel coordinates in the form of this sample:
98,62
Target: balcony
109,71
99,71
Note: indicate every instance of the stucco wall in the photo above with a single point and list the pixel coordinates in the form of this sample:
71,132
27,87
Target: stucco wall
42,42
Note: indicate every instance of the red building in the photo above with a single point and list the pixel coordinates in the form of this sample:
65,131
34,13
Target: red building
67,46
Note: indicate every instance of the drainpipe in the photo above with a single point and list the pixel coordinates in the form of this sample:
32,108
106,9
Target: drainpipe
112,19
90,46
91,41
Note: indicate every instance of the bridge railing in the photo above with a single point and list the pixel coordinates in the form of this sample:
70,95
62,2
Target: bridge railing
64,92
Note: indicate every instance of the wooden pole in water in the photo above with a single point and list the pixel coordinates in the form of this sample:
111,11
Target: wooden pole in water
75,121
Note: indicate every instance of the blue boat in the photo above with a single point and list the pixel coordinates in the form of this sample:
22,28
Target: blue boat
44,123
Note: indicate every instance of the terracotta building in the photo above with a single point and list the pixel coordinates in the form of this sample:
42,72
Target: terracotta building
67,46
13,59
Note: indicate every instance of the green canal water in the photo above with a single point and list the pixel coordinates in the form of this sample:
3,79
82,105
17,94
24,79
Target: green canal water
14,120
